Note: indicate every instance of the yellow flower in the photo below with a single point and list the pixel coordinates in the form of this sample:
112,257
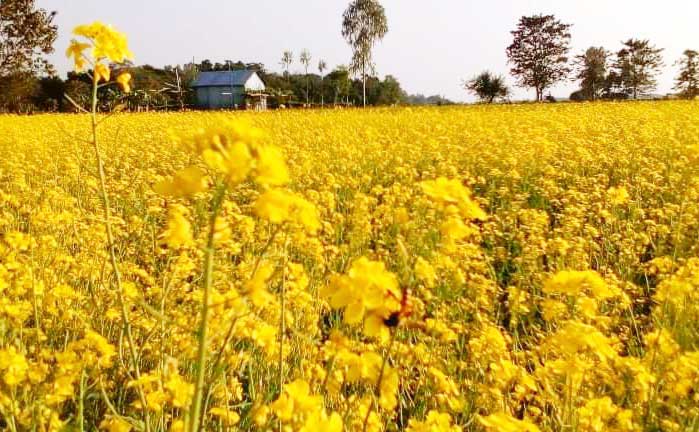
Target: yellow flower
105,349
388,395
572,283
256,288
296,400
225,415
319,421
618,195
177,426
76,51
115,424
226,148
124,80
107,42
14,366
239,162
601,414
271,168
279,205
180,391
425,272
452,193
434,422
179,230
102,72
367,287
186,182
502,422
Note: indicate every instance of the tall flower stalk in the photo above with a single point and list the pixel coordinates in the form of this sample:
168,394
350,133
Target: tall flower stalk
195,420
106,44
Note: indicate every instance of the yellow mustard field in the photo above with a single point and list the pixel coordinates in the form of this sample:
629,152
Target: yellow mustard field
508,268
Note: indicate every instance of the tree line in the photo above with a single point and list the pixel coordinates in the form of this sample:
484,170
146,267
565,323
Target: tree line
539,59
28,82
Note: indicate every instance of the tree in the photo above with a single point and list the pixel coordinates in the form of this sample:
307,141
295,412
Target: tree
363,25
287,59
592,68
51,91
26,34
177,87
637,64
419,99
340,83
321,67
539,51
687,82
77,88
306,61
17,92
390,92
206,66
487,87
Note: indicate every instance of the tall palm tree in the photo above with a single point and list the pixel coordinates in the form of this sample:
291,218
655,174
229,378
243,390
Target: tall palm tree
287,59
306,61
321,67
363,25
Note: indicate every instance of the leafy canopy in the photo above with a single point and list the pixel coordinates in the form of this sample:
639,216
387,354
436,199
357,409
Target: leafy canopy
538,52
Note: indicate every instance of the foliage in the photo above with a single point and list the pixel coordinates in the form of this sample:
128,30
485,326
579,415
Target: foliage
322,66
488,87
636,66
287,59
26,34
305,60
420,99
591,71
363,25
538,52
687,82
18,92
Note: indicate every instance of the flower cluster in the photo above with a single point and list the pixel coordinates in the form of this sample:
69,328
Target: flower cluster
106,45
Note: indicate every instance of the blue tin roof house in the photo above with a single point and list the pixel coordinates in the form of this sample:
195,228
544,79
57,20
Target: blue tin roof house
236,89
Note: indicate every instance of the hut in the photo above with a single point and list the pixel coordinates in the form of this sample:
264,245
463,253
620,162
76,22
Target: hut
233,89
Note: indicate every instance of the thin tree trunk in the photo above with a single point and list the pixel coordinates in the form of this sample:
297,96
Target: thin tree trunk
364,85
307,87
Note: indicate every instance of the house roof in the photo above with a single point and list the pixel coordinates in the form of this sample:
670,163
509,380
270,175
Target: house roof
223,78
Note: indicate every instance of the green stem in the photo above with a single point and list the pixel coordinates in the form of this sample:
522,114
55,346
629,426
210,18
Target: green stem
377,389
282,323
81,402
195,419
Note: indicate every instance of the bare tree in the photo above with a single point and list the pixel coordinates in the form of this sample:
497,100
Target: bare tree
363,25
539,52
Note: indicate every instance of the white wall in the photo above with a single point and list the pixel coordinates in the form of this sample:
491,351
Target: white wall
254,83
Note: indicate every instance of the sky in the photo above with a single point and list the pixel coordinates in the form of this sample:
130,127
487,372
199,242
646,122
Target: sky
431,47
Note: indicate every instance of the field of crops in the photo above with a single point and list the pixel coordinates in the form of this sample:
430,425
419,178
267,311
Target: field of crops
510,268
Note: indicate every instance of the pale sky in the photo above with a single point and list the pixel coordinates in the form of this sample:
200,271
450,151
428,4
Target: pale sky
430,46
